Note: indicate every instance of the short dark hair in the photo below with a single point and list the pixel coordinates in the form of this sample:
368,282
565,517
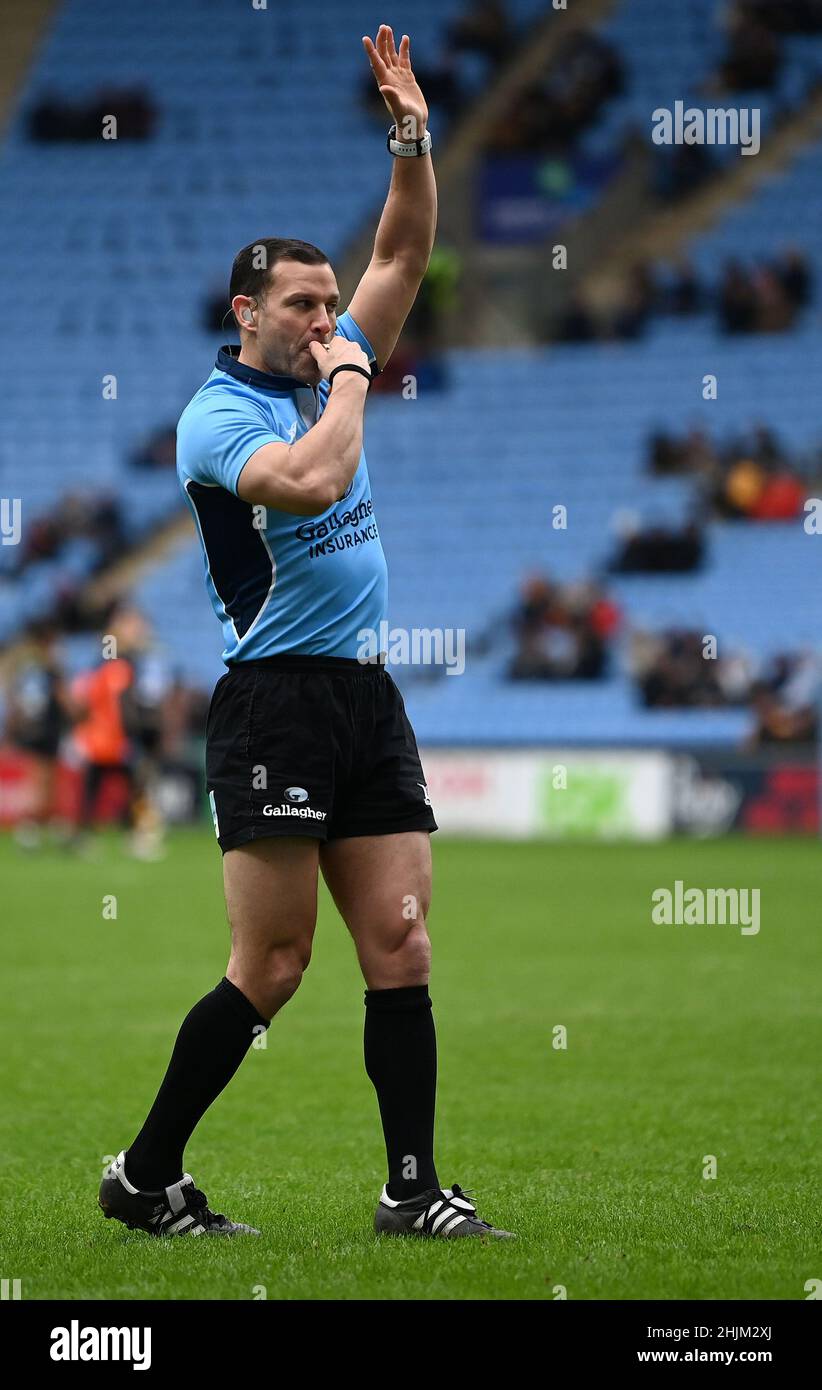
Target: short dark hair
250,271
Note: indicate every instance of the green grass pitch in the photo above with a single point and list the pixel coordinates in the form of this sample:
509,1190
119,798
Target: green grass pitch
682,1042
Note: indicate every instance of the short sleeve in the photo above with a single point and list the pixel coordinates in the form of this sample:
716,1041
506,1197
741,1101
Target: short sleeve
347,328
215,443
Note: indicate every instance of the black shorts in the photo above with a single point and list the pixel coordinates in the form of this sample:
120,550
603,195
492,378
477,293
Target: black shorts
311,745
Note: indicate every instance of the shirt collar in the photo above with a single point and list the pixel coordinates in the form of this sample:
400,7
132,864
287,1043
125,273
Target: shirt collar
261,381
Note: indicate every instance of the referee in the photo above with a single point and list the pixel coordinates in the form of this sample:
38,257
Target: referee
311,762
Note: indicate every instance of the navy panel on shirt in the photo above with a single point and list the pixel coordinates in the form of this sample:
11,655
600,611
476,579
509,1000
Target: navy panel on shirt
240,562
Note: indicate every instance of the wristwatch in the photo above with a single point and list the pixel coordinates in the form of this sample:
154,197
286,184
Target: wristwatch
408,148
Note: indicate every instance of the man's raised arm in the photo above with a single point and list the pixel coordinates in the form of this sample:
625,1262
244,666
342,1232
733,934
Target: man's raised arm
405,235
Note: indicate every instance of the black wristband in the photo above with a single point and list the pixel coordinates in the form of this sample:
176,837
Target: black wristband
350,367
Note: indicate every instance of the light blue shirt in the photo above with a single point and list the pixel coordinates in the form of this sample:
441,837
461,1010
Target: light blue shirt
277,582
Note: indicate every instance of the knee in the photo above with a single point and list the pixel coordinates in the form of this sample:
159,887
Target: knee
409,962
284,968
271,979
413,943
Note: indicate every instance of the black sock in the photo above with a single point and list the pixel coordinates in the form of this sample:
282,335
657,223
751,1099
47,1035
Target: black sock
210,1046
401,1061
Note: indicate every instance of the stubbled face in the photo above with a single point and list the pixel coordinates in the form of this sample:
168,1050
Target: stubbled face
299,307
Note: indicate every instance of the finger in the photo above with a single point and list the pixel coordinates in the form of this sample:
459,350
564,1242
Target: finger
390,45
385,44
379,69
405,52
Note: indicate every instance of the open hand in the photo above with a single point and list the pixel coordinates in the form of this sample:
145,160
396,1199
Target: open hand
397,83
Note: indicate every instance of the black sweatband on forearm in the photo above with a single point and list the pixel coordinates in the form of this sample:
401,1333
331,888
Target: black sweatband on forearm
350,367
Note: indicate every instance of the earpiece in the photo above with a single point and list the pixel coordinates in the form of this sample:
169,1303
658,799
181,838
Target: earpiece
247,316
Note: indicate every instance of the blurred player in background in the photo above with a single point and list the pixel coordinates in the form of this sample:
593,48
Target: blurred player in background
38,717
117,733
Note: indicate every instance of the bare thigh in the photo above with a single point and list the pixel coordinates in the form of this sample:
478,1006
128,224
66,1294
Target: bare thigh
381,885
271,897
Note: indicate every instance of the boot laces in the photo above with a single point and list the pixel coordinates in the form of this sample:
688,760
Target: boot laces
197,1203
457,1191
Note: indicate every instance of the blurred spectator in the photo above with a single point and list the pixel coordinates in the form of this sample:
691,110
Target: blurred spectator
37,716
562,632
660,550
665,454
775,724
786,17
793,269
673,671
774,311
782,499
423,333
761,298
576,324
766,448
750,477
694,454
54,119
638,300
548,115
417,359
684,293
737,303
766,298
679,170
741,489
93,519
486,28
753,55
159,450
786,701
